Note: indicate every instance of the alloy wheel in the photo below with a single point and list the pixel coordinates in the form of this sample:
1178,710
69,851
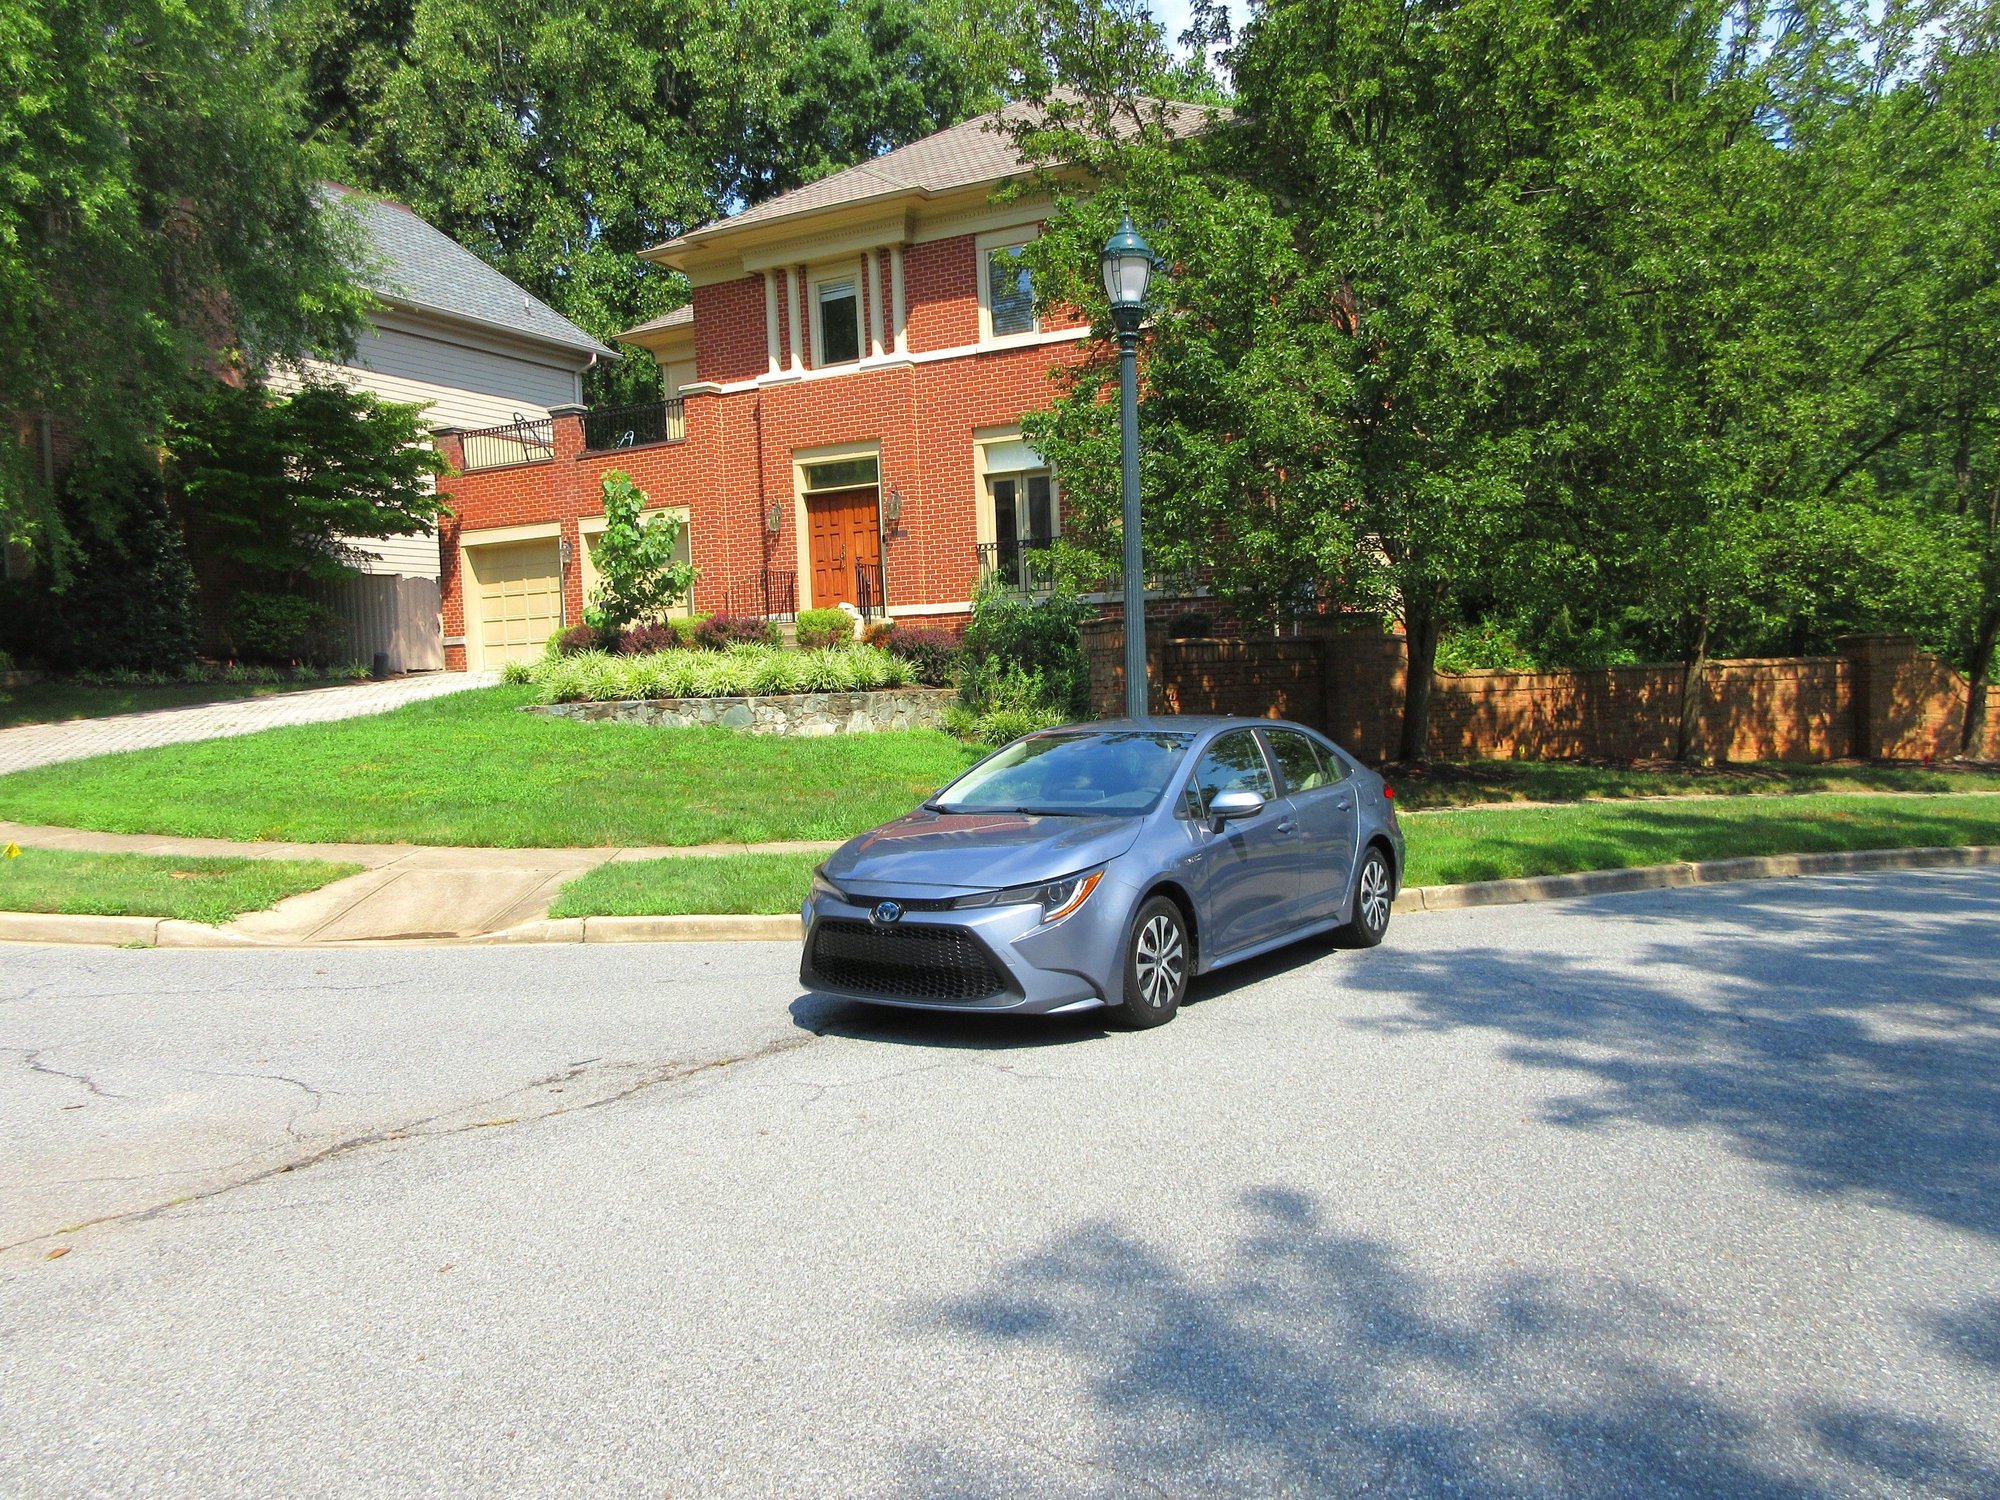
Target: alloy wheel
1161,960
1374,899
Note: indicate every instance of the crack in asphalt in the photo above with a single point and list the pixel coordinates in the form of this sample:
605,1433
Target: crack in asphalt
31,1057
292,1120
419,1129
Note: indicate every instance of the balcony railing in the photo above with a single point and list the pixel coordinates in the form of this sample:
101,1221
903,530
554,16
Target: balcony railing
774,595
618,427
525,440
1021,567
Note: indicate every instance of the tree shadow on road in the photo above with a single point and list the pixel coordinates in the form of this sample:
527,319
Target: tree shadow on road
1316,1362
1847,1035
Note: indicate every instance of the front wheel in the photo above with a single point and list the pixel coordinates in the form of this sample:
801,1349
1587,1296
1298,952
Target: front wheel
1156,965
1373,893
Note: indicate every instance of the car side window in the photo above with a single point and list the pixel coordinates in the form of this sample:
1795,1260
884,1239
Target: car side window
1233,762
1299,758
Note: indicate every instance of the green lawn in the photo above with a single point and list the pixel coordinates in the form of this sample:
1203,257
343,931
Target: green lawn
470,769
1491,781
54,702
1449,849
146,885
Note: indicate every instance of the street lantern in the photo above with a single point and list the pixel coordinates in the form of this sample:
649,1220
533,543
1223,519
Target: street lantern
1127,264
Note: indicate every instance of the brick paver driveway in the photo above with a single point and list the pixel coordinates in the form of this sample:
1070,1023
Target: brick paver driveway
45,744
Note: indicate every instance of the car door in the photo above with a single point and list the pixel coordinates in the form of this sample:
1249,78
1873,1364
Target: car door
1249,868
1321,801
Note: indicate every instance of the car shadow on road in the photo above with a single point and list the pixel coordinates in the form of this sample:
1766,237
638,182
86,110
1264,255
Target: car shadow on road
1307,1360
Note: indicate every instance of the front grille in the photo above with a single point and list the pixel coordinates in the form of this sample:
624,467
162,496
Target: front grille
919,962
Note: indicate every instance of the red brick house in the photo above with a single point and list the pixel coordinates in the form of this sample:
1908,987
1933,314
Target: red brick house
842,422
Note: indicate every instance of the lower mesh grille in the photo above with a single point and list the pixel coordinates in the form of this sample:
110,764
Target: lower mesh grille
918,962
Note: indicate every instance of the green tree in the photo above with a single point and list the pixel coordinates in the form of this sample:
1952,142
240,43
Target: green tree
158,221
280,484
640,576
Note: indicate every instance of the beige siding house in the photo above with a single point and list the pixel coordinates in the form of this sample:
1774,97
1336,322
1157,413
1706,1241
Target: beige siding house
452,334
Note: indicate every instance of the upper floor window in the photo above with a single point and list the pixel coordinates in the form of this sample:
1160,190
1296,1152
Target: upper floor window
837,339
1006,289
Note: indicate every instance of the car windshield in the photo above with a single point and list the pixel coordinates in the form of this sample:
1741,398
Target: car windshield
1080,771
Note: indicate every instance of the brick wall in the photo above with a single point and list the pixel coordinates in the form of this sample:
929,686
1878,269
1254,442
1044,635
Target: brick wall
738,456
1881,698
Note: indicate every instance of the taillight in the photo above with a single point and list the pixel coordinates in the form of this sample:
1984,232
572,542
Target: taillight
1389,792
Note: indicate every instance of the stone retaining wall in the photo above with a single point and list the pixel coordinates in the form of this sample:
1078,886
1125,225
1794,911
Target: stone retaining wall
804,714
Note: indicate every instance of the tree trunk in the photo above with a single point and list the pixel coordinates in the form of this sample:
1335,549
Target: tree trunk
1693,695
1421,631
1980,676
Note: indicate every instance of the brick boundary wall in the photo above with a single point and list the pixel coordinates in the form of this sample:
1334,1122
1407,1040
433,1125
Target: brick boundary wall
1881,698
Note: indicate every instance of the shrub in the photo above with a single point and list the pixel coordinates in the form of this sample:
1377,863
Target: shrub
684,628
999,726
1191,626
599,677
879,634
1014,641
931,653
644,640
720,632
575,640
285,627
820,628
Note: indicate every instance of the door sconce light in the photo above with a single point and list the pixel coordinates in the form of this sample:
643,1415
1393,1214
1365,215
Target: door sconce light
774,518
895,507
566,551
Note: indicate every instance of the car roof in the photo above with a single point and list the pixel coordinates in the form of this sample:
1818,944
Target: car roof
1185,724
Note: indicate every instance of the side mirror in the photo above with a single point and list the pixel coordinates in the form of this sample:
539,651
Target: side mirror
1224,807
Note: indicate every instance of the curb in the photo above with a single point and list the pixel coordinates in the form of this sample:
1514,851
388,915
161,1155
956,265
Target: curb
166,932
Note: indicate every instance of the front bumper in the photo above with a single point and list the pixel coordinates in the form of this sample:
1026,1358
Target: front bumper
929,960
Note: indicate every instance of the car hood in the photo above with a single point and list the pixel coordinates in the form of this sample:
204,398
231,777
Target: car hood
956,853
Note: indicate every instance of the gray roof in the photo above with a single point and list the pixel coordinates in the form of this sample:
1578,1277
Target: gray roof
964,155
422,268
680,317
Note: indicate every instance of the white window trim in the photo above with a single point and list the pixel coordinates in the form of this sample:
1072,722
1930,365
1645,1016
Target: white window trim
825,276
986,526
983,247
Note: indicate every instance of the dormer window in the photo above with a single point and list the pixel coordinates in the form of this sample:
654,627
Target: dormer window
837,337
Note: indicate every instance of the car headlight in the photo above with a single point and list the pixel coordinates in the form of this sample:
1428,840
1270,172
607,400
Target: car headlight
1057,898
821,886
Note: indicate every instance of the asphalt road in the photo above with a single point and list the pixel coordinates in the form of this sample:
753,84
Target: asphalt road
1692,1192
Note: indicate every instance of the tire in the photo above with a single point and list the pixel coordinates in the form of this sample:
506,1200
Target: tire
1157,959
1374,887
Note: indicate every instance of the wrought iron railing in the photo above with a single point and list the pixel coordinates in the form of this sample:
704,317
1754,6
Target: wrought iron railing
774,595
616,427
1022,567
870,595
525,440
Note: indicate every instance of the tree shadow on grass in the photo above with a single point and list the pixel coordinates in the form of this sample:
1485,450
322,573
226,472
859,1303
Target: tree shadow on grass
1844,1033
1315,1362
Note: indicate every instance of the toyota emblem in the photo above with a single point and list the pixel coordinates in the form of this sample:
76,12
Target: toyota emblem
886,911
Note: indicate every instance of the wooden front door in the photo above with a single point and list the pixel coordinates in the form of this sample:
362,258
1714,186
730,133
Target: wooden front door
846,529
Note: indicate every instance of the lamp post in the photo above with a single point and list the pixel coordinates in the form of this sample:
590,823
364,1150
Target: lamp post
1127,263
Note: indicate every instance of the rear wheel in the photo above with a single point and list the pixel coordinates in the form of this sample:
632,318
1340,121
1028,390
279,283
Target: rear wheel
1156,965
1374,888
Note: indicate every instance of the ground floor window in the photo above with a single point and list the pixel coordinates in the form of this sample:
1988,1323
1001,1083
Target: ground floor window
1022,518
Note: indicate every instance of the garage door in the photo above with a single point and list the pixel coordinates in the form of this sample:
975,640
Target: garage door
519,585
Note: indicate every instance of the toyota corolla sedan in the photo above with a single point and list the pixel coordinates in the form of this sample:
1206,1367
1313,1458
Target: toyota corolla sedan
1104,865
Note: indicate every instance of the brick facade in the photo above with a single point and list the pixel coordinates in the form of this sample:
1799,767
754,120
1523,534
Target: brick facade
1882,698
737,461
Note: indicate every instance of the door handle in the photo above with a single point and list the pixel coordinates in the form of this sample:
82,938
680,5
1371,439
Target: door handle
1288,827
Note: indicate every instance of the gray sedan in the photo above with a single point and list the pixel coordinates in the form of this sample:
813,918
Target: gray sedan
1104,865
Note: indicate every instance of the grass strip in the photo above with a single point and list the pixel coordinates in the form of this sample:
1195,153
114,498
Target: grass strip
471,769
149,885
1481,844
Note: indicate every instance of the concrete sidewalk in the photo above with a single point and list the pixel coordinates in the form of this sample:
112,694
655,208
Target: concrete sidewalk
405,892
29,745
